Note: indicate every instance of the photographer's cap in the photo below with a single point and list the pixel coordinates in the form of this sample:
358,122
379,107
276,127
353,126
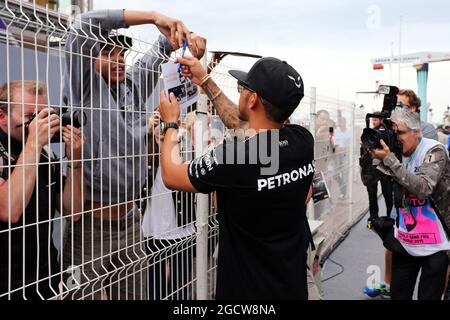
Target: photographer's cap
275,81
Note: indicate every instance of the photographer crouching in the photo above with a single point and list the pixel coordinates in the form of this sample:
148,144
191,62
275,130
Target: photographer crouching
423,221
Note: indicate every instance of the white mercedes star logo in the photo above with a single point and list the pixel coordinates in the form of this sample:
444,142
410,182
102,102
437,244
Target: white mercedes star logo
299,84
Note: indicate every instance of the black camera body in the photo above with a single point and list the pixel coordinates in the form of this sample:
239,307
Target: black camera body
370,138
75,118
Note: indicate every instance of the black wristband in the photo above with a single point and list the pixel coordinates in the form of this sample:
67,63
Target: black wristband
167,125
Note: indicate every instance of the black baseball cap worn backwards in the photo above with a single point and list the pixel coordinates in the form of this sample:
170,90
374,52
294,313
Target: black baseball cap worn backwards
273,80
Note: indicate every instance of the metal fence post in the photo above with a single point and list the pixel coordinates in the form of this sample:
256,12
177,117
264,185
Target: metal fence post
312,128
201,145
352,164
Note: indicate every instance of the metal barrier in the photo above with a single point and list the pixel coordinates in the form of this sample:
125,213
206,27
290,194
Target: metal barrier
103,225
337,126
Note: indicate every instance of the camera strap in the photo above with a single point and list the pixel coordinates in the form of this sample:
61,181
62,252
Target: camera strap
440,217
4,155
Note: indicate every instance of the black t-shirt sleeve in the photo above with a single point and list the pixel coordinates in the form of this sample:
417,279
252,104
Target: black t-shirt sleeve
209,172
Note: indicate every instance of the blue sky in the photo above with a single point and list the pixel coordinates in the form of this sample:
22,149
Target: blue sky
329,42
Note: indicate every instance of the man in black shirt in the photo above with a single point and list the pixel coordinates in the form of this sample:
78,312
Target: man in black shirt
262,182
30,181
370,178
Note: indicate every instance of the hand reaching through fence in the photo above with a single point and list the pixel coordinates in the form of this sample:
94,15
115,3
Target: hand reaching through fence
73,138
169,108
197,46
174,30
192,69
41,128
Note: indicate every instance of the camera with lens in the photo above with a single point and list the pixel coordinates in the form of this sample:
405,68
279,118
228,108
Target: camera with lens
75,118
370,138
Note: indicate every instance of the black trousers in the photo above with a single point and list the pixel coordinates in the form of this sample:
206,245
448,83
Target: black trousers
405,269
447,294
170,269
386,189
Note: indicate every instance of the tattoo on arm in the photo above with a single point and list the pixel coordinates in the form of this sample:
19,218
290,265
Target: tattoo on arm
227,110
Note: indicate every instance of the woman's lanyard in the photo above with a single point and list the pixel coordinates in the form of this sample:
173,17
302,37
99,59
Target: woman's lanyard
410,158
407,163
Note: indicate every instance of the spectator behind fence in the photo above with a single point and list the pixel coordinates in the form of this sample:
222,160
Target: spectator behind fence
116,144
324,138
169,221
324,130
409,99
342,140
422,228
370,177
261,212
30,190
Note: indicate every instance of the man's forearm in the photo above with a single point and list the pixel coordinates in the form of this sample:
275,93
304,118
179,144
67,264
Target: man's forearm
170,156
174,171
143,74
88,33
73,196
93,23
227,110
21,183
133,18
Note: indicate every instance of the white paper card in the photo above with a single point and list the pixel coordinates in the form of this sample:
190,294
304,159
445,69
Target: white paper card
184,89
